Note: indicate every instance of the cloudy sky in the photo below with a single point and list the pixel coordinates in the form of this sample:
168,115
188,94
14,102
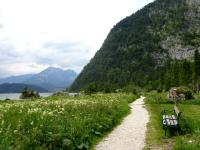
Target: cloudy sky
36,34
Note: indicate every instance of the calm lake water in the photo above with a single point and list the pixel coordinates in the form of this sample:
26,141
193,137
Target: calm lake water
16,96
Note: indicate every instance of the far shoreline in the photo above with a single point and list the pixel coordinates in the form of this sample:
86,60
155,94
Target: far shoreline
15,96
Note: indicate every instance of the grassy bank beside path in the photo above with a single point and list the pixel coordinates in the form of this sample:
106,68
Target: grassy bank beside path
189,136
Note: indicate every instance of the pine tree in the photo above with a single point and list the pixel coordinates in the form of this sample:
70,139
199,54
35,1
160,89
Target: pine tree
175,73
196,72
185,73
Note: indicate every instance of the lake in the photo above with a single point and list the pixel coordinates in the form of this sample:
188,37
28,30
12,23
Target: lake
16,96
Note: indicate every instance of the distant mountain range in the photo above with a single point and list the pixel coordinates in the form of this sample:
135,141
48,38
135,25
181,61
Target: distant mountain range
16,79
51,79
18,87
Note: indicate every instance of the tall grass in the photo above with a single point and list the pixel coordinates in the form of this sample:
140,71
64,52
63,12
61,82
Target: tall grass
191,102
157,98
188,138
60,122
191,114
190,142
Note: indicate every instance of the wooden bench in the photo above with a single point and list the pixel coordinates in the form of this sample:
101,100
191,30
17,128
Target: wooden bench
170,119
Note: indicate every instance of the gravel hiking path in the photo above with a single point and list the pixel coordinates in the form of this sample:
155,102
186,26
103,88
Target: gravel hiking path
130,134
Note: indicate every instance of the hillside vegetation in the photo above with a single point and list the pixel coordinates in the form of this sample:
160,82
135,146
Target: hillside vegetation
50,79
152,48
18,88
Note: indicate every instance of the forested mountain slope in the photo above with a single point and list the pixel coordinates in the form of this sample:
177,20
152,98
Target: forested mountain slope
151,48
18,88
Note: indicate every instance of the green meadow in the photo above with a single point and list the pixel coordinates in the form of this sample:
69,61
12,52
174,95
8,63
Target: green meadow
188,136
60,122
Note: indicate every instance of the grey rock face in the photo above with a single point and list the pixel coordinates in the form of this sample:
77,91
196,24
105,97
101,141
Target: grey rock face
176,50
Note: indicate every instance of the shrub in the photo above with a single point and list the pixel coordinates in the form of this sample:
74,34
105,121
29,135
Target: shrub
90,89
186,91
132,89
29,94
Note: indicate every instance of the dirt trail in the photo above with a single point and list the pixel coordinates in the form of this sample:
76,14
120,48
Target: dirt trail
130,134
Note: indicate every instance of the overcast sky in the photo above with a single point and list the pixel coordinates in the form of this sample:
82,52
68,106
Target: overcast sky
36,34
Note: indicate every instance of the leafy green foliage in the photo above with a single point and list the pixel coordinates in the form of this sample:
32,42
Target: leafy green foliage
175,74
90,89
29,94
196,70
186,91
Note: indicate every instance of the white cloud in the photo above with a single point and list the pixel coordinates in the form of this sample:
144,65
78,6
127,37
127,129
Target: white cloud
64,33
22,68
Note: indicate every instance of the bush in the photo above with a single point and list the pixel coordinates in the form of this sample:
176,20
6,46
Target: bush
29,94
90,89
132,89
186,91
